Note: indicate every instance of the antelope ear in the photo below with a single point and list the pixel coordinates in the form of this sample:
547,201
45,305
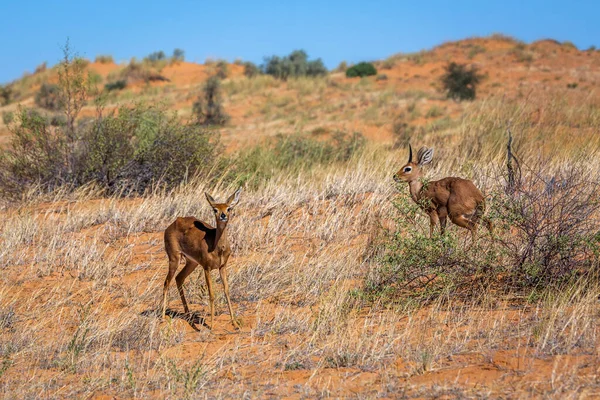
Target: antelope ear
210,199
424,156
234,198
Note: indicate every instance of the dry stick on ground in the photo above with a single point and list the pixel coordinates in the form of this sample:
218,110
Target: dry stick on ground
513,181
200,244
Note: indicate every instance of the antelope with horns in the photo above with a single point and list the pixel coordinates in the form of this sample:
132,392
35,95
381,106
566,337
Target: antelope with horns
452,197
200,244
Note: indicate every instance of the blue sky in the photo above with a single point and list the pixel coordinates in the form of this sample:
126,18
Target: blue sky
34,31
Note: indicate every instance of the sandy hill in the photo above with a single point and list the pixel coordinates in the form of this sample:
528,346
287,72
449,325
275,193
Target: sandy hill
262,106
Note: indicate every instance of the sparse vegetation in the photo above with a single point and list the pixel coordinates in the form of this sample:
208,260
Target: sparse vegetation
137,72
94,78
361,69
251,69
388,63
460,82
208,108
8,117
473,51
104,59
342,66
296,64
222,69
521,53
130,152
116,85
156,56
292,154
178,55
5,94
324,244
41,68
48,97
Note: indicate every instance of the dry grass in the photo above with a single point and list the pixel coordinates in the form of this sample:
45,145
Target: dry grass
82,279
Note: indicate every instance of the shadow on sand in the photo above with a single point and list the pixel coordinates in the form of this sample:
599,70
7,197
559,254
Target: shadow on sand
192,318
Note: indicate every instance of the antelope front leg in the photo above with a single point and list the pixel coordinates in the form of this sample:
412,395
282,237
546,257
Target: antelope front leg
223,273
433,220
211,296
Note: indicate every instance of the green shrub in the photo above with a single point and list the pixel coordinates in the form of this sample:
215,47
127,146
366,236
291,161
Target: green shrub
58,120
94,78
48,97
316,68
136,149
178,55
116,85
41,68
177,152
5,95
8,117
156,56
381,77
208,108
410,264
292,154
361,69
126,152
135,72
460,82
104,59
35,155
294,65
251,69
222,69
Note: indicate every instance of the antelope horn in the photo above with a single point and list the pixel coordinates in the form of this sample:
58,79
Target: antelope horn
410,153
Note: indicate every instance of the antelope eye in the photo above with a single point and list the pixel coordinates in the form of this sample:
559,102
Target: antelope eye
215,210
407,169
228,209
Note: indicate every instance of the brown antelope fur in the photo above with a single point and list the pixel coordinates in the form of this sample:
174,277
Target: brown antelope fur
200,244
456,198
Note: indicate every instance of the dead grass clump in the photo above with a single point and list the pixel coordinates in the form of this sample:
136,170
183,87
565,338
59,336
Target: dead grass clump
104,59
553,217
563,322
136,333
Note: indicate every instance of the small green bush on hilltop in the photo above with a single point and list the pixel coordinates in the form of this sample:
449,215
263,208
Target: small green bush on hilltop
361,69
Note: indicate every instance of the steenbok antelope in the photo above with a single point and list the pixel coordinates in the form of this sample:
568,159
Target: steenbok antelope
199,243
456,198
